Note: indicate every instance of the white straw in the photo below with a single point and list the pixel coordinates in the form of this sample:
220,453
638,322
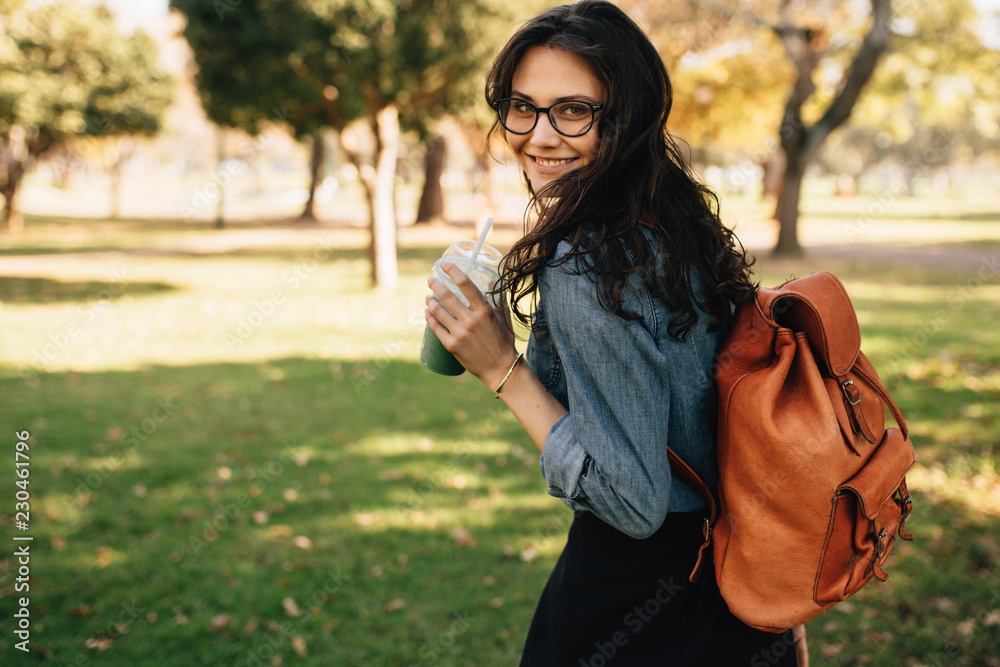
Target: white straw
482,239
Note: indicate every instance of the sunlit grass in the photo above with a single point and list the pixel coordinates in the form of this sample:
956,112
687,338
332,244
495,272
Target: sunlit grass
309,491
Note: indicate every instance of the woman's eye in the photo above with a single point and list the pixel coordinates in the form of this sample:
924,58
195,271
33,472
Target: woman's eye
574,110
522,107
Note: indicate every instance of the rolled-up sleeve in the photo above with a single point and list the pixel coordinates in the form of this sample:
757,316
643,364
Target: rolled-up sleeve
608,453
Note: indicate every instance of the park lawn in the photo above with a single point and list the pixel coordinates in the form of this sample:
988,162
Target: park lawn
237,460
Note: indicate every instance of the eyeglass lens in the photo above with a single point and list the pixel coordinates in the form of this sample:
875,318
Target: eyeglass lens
569,118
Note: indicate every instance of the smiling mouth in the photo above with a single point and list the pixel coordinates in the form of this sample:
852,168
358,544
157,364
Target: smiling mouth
548,162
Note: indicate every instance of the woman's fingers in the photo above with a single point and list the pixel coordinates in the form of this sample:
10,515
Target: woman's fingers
465,284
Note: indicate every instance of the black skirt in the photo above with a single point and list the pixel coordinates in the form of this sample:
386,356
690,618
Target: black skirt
618,601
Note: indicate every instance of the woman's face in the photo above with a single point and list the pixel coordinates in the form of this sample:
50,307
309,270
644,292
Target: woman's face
545,77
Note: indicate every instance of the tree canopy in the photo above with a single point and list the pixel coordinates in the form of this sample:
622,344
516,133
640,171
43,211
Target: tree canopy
324,64
66,71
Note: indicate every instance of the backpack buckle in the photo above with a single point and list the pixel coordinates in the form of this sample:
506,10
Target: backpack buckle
851,396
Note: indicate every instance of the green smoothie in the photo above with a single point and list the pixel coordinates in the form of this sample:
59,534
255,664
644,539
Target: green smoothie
484,274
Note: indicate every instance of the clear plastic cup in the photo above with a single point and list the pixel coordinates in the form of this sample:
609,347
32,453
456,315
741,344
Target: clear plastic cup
484,274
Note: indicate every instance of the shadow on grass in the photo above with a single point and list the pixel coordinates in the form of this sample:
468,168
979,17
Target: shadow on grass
353,513
366,513
21,290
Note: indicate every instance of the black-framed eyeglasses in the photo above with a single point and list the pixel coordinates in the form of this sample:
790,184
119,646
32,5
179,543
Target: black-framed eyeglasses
572,118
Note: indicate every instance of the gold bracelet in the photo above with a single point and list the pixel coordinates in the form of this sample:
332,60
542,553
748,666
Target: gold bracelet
496,394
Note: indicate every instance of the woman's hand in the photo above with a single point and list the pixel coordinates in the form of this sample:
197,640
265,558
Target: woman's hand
479,335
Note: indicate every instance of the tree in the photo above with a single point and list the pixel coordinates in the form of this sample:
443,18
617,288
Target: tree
67,72
800,142
832,52
431,205
341,65
935,96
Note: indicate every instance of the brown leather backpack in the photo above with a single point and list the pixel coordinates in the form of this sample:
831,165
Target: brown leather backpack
811,487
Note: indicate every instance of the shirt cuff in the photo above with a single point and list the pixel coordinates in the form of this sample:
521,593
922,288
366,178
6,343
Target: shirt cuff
562,460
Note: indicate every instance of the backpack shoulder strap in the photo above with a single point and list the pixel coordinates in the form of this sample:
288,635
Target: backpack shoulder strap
684,472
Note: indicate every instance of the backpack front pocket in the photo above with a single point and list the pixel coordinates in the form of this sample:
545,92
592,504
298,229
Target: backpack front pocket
867,512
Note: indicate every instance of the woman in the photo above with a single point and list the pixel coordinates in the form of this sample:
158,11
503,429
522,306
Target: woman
635,279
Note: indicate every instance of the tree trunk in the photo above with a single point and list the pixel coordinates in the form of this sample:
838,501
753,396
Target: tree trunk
14,155
13,222
774,172
315,176
431,207
385,273
115,174
787,210
800,142
220,161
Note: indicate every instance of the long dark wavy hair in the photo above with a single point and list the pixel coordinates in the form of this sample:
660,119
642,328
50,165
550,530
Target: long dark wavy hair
638,177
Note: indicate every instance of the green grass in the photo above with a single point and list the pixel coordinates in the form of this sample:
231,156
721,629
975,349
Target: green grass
237,456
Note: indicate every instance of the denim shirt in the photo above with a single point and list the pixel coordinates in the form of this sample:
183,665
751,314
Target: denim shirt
630,390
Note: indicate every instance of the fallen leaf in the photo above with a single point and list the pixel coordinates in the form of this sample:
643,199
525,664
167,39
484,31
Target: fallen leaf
291,495
259,517
463,538
943,604
967,627
302,542
367,518
291,608
831,650
181,619
220,622
280,530
529,555
100,643
299,646
395,605
104,556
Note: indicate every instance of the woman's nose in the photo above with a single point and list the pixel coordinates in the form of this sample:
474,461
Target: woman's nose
544,134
